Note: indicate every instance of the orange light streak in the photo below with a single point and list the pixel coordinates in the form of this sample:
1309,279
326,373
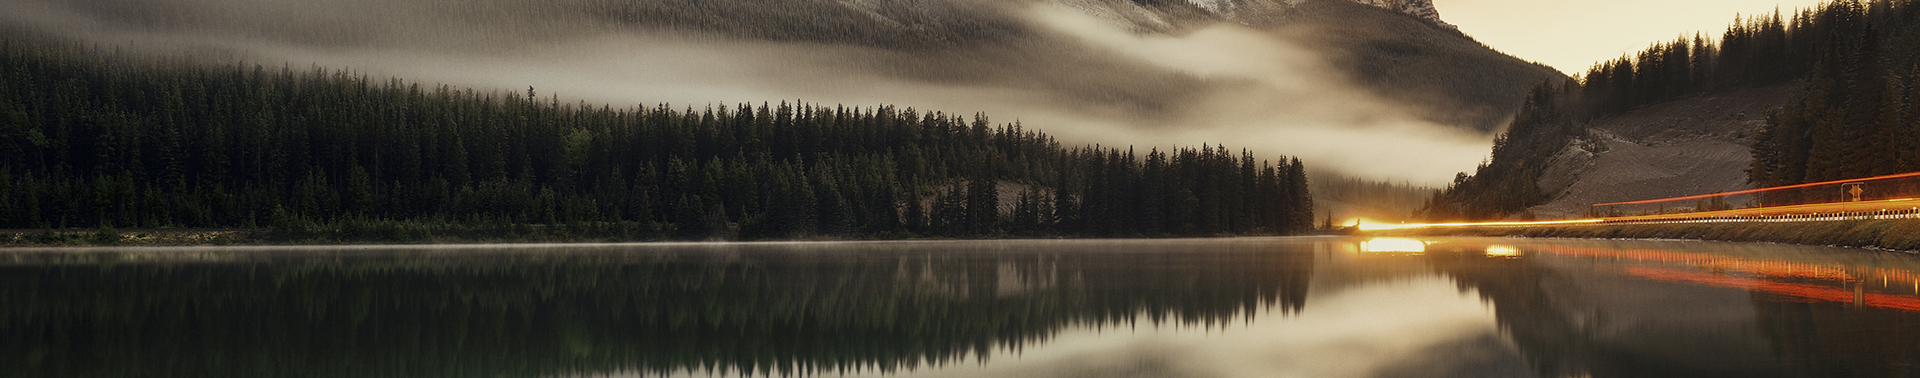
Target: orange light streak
1737,192
1368,226
1830,272
1802,291
1830,208
1812,208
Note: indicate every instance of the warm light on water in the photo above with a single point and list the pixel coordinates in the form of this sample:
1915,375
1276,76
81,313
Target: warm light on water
1503,251
1393,245
1366,225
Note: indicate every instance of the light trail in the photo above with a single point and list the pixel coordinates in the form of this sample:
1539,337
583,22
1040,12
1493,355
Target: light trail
1369,226
1767,189
1899,208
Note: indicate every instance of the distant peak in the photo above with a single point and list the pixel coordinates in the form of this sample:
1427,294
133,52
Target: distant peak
1422,9
1215,6
1161,15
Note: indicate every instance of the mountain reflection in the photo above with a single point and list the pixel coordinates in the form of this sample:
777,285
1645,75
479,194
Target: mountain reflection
766,309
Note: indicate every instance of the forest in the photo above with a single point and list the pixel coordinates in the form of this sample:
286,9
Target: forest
95,138
1854,114
1858,107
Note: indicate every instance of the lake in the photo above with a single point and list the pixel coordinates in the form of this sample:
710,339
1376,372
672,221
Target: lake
1235,307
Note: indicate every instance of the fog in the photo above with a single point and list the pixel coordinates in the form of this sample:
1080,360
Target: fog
1172,81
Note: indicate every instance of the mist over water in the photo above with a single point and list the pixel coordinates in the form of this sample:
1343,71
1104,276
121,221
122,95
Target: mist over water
1178,79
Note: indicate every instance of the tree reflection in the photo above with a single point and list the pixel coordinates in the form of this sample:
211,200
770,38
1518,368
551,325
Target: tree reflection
1833,339
1525,306
765,309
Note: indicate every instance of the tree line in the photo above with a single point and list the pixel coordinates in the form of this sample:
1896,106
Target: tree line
1857,113
1505,183
93,138
1853,115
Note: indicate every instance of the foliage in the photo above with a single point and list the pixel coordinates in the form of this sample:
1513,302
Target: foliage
1858,107
1506,183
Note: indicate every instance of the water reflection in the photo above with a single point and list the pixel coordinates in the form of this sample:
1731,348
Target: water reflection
765,308
1320,307
1502,251
1637,309
1393,245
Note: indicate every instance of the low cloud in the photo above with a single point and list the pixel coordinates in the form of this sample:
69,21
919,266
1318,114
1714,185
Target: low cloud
1084,79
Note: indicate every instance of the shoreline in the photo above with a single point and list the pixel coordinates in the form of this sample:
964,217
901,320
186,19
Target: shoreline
1900,235
471,234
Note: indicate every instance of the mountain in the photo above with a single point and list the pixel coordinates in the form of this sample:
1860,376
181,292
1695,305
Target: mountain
1452,78
1422,9
1396,49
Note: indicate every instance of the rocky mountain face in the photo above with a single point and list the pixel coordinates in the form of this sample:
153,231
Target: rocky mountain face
1154,15
1422,9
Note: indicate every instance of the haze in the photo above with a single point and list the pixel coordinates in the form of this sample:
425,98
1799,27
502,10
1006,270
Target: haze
1572,35
1083,79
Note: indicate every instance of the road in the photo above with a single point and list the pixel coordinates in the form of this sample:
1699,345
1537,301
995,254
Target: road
1901,208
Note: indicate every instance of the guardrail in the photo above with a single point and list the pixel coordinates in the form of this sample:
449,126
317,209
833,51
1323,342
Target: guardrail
1866,189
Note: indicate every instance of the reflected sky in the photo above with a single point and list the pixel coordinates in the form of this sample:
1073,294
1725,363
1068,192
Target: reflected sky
1248,307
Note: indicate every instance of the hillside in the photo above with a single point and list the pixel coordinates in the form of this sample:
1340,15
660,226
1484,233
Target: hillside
1693,145
1451,78
1825,93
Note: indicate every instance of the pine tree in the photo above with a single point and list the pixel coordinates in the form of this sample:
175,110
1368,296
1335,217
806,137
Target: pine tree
1301,199
982,206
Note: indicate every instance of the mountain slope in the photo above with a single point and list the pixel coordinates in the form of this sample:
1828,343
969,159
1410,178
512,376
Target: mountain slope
1453,78
1693,145
1398,49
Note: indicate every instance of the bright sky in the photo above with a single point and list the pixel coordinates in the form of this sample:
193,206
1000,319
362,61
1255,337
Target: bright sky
1572,35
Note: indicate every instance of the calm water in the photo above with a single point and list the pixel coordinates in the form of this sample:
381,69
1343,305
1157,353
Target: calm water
1254,307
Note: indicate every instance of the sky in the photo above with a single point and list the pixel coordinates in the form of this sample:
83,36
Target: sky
1572,35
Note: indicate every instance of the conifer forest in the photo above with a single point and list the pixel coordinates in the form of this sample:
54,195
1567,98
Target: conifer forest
101,139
